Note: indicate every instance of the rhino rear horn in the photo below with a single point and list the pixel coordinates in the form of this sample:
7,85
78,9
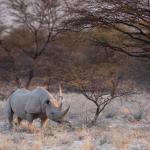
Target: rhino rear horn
60,93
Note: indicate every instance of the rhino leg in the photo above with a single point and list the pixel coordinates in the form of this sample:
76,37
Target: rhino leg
10,119
44,122
29,117
9,113
44,125
19,120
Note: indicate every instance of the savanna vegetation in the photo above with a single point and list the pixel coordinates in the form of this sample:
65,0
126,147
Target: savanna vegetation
96,53
95,47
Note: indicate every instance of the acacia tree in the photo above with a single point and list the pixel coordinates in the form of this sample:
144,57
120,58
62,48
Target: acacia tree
130,18
99,85
41,19
101,92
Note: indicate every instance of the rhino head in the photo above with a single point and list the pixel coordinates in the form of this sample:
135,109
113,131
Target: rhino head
54,107
54,112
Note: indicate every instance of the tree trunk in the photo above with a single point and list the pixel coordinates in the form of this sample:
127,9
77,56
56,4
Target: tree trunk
93,122
48,85
31,75
18,82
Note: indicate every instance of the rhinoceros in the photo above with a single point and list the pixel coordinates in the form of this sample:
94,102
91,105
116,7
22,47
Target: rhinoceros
30,105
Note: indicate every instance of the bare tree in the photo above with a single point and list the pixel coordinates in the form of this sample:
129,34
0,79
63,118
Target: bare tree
42,20
99,85
130,18
101,93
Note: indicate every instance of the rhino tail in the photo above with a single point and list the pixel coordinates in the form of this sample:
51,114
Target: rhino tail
8,110
9,113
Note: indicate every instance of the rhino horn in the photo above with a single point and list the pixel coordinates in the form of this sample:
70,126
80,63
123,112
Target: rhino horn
60,106
60,90
63,113
60,93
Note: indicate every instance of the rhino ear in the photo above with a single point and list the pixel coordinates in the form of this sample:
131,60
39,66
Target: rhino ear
33,107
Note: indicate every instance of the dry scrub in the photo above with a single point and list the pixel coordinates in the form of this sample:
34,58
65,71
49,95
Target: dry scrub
111,133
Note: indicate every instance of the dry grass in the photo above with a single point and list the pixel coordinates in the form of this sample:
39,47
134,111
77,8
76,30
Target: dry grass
120,135
123,140
81,138
88,141
13,143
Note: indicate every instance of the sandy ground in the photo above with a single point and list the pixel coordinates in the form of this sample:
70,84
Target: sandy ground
118,128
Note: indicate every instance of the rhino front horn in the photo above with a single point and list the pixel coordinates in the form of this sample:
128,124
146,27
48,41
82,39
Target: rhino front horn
64,112
60,106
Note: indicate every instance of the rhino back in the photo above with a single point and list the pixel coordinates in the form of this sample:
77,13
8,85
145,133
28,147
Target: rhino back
24,101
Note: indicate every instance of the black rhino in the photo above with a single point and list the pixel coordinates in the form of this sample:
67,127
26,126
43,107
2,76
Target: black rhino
29,105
